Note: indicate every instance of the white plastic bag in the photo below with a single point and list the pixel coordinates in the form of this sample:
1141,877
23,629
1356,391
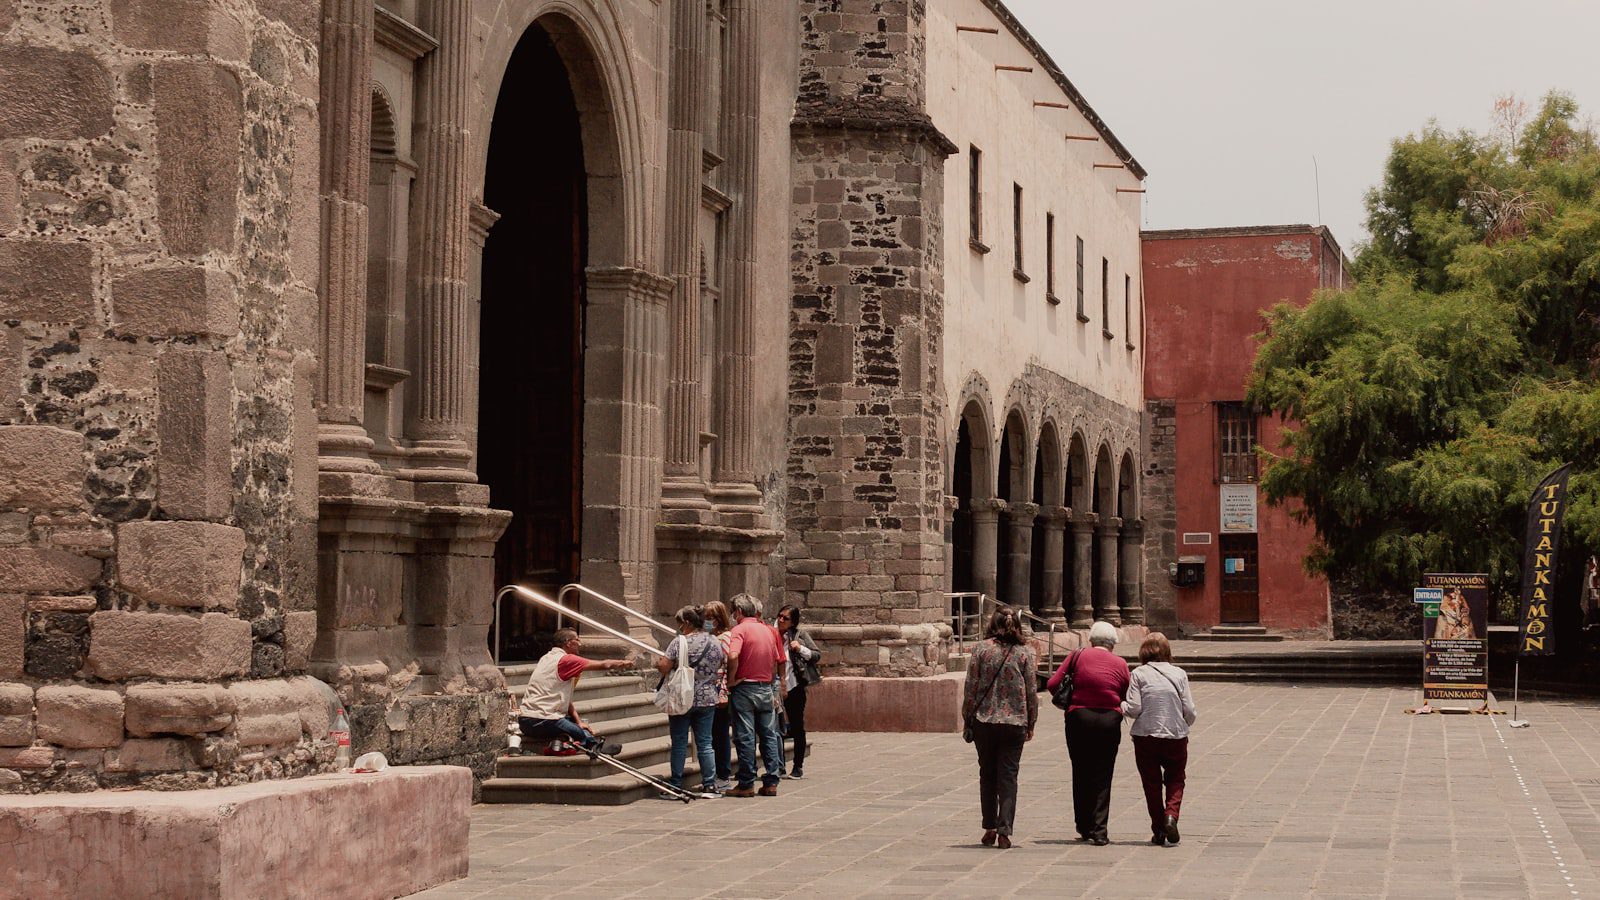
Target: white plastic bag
675,696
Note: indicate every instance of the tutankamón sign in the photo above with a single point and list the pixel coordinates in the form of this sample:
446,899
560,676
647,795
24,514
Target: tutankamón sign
1455,641
1541,549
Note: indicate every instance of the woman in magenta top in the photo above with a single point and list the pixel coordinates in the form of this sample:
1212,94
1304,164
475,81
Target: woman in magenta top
1094,727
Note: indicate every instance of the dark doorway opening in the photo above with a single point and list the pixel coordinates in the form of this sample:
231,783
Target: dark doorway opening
961,522
530,419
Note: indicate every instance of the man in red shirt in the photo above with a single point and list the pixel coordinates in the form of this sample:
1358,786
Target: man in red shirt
755,669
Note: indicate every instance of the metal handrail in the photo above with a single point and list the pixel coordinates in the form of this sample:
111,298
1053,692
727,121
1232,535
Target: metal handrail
1025,614
536,597
623,608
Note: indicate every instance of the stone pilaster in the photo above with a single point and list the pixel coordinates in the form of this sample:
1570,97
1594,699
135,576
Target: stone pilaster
683,489
1106,591
986,546
1082,526
1019,566
734,491
345,107
440,248
1054,519
1158,507
1129,590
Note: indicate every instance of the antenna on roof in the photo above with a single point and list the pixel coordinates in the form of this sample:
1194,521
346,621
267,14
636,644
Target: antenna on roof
1316,177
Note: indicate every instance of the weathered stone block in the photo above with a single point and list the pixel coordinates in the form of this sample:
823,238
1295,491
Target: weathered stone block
199,124
127,644
81,717
13,634
46,281
195,434
175,300
158,755
41,467
53,94
182,26
195,564
32,569
299,633
268,711
16,715
191,709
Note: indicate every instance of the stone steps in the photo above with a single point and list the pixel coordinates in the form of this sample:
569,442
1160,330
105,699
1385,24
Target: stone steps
1245,633
1288,667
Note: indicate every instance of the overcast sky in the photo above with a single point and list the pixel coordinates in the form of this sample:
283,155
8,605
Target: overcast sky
1225,102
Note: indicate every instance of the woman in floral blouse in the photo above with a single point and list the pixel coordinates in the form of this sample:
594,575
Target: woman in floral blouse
1000,706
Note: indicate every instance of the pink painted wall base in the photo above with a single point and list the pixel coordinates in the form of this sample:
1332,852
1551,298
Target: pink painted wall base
846,703
349,836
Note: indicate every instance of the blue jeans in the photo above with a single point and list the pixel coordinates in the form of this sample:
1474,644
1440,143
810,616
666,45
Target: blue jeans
753,721
698,718
554,729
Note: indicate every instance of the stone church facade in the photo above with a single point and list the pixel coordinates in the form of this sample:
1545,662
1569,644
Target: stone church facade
323,320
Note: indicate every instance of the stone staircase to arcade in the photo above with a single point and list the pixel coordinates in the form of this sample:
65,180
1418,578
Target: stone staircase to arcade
1285,662
621,708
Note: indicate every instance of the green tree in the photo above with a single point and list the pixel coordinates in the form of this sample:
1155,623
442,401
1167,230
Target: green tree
1429,399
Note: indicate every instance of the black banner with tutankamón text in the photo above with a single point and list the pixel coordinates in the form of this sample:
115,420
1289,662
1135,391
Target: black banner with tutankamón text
1540,555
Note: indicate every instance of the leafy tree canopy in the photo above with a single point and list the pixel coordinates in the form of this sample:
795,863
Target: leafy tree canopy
1430,399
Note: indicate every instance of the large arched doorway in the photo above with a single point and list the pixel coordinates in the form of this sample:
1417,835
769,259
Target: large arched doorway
530,419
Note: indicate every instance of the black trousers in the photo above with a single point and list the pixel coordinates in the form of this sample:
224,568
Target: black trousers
999,759
1092,739
722,741
794,707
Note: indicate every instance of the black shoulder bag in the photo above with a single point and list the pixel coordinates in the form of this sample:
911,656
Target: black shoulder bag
972,718
1062,698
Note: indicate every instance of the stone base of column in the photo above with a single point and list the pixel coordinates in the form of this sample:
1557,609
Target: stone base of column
441,460
344,448
352,836
738,504
683,501
846,703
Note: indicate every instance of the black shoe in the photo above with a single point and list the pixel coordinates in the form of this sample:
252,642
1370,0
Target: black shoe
796,773
1172,830
1099,841
1158,839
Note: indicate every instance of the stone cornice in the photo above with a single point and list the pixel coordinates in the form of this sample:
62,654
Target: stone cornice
628,278
394,33
874,116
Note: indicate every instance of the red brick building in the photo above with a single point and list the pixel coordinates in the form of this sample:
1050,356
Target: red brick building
1205,291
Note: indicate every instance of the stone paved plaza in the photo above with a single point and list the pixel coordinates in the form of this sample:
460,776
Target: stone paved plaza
1293,791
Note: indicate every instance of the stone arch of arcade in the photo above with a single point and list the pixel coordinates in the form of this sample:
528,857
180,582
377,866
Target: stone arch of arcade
1041,519
558,436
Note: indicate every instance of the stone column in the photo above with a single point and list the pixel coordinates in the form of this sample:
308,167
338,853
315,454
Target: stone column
345,104
1055,522
683,496
1019,567
734,472
986,546
1106,590
1082,568
1130,595
439,249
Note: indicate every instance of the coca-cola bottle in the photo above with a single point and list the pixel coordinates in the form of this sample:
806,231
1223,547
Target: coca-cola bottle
339,733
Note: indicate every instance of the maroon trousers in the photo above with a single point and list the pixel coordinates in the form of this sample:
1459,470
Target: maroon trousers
1161,762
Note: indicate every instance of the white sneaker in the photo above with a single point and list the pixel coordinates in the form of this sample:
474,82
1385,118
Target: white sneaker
724,784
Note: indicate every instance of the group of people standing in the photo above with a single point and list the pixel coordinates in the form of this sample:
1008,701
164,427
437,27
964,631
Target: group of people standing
750,681
1097,691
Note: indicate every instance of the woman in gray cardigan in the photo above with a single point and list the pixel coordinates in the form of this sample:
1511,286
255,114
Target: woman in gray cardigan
1162,709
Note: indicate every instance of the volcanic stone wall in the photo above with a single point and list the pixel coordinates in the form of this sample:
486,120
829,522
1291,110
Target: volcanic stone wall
865,540
158,498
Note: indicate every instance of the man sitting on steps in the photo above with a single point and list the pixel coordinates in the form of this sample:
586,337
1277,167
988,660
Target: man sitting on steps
547,712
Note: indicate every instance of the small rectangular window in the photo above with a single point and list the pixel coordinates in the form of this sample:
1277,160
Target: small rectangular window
1236,443
1127,309
975,197
1016,232
1105,298
1050,257
1082,316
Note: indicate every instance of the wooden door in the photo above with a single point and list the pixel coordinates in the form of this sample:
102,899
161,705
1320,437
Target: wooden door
1241,597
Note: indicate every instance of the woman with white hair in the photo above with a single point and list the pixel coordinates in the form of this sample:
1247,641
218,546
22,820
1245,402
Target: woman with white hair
1095,682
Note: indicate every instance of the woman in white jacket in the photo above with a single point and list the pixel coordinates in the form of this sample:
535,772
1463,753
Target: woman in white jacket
1162,709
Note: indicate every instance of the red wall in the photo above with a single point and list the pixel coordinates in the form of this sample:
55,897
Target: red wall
1204,295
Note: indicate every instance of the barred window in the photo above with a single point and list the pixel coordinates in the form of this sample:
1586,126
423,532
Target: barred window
1236,442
